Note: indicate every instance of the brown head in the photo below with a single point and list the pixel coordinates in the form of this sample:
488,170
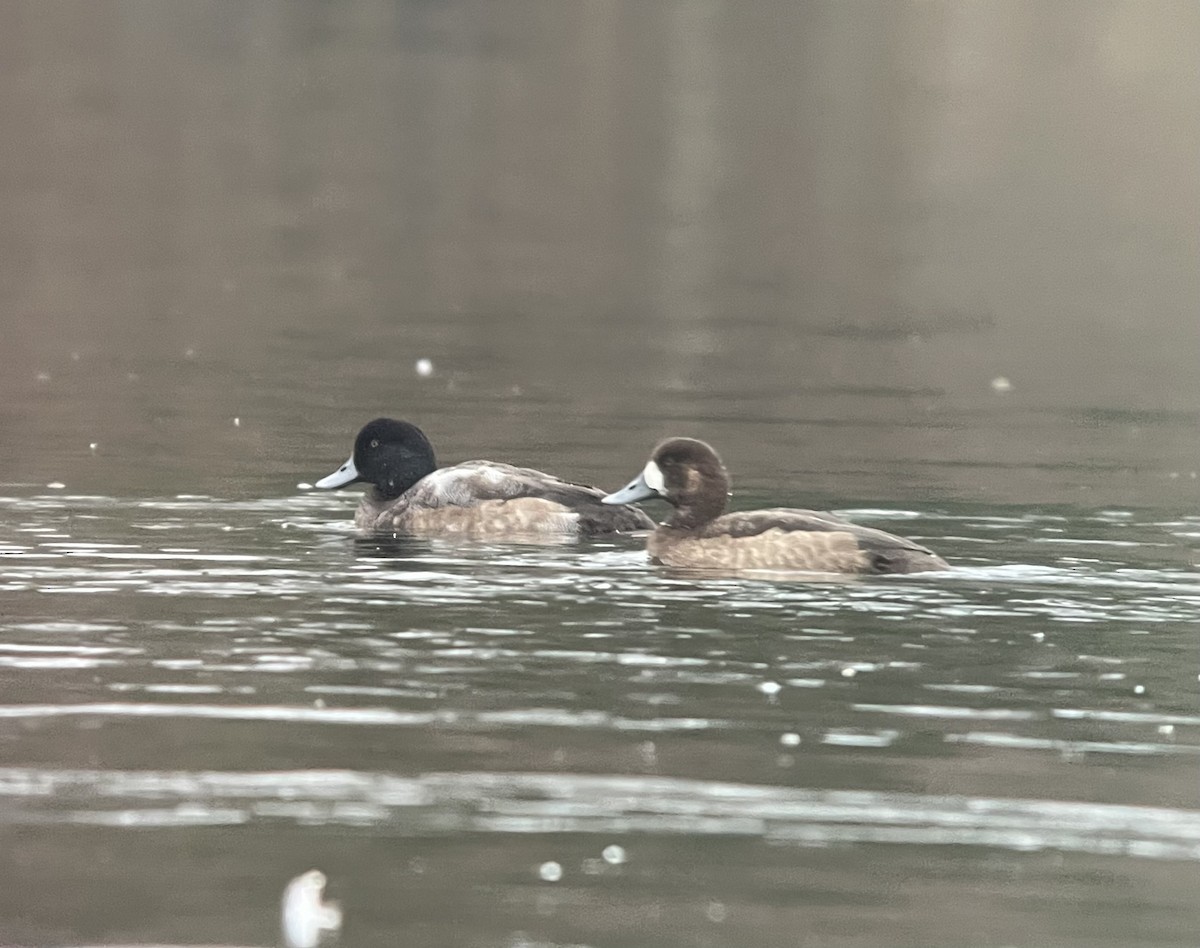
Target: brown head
686,473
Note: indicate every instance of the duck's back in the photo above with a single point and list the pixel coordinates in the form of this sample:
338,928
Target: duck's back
487,498
789,539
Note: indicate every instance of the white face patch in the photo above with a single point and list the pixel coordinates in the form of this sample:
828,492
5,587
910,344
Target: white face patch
653,476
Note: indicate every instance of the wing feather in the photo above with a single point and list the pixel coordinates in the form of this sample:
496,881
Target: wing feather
474,481
754,522
478,485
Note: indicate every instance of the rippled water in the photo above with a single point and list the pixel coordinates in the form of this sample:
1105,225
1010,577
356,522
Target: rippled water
202,697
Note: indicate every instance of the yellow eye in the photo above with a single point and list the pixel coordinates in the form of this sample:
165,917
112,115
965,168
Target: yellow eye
374,442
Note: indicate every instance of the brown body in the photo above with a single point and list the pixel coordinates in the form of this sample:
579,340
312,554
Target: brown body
484,499
778,542
488,518
689,475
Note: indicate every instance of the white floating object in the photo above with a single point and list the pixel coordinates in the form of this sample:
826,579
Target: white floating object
550,872
770,688
1001,384
1139,689
614,855
716,912
424,368
305,915
237,422
56,485
92,446
790,739
304,485
849,672
1166,730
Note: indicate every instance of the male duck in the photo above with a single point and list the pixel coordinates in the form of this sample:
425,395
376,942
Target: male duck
409,494
689,475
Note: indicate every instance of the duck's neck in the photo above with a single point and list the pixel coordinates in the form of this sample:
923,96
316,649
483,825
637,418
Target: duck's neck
403,476
697,512
700,499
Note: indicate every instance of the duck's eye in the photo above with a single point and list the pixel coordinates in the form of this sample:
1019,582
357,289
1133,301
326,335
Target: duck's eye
374,442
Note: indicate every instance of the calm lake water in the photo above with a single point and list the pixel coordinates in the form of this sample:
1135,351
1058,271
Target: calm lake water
927,264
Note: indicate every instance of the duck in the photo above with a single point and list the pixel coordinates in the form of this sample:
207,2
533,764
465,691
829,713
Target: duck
409,495
689,475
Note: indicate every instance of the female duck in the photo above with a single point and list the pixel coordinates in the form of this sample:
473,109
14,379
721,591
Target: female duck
409,494
689,475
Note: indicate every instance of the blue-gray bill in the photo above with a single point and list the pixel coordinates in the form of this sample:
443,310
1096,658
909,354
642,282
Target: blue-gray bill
637,489
346,474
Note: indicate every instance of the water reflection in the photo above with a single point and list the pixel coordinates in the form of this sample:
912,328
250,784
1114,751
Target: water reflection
489,639
623,807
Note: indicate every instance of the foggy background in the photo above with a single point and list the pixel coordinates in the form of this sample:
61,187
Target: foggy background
605,222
